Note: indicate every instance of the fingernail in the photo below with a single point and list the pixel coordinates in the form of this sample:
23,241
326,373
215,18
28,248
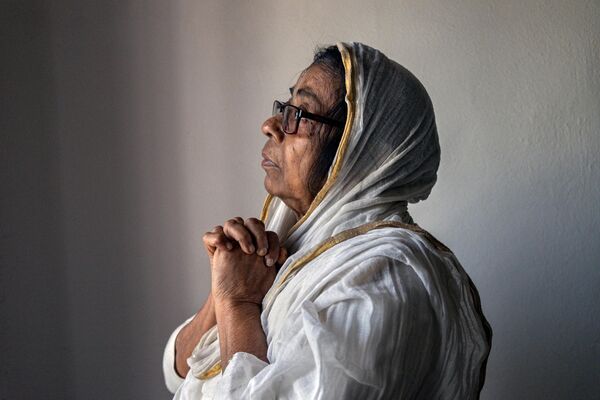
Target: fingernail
251,248
229,246
262,252
270,262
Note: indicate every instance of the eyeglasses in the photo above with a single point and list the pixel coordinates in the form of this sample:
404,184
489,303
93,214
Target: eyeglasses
291,116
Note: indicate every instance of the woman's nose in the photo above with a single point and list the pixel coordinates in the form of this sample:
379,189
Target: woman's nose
272,128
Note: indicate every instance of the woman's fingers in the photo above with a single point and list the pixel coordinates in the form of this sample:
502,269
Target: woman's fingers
283,255
233,229
239,220
251,236
257,229
273,251
216,239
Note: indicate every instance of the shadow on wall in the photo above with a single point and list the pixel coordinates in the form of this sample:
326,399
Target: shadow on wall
92,219
33,290
116,65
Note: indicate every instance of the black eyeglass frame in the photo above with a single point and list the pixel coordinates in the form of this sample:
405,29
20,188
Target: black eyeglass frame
278,108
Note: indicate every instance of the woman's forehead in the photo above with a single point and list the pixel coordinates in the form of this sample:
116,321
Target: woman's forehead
317,84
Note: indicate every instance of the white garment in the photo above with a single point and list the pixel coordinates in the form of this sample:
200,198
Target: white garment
172,379
367,306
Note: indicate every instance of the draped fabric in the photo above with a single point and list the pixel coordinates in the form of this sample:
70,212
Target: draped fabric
368,305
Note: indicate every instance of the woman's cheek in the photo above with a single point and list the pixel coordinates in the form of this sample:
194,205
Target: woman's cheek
300,159
306,164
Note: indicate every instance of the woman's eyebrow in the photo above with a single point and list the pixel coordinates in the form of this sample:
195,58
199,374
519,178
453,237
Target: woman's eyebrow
306,93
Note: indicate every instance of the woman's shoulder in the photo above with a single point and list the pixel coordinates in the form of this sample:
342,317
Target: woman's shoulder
374,256
390,254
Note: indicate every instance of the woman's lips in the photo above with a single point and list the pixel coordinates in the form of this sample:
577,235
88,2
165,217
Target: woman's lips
267,162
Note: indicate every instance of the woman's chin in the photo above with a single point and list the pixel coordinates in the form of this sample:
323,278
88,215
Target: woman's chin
269,186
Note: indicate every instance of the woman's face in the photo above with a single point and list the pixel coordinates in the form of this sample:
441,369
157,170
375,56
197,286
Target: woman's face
287,159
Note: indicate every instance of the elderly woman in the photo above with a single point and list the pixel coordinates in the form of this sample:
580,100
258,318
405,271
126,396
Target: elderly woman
335,292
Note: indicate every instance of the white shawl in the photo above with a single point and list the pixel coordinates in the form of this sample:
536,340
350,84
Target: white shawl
368,305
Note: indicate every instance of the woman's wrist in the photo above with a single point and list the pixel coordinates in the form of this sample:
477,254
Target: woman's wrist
240,329
224,304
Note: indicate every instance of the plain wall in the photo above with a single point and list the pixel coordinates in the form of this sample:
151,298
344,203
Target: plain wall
129,128
34,341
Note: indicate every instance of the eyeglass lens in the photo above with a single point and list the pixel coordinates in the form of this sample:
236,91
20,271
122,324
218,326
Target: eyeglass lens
288,119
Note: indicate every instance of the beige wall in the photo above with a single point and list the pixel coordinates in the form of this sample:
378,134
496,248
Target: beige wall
133,127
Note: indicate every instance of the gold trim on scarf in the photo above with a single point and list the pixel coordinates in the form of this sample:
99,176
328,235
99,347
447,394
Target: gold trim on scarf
341,151
265,210
353,232
211,372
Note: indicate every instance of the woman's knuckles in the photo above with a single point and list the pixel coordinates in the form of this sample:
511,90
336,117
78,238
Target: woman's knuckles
237,275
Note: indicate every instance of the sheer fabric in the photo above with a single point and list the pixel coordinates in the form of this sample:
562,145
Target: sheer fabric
368,305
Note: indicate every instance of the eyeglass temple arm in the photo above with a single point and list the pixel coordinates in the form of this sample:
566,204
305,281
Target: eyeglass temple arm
319,118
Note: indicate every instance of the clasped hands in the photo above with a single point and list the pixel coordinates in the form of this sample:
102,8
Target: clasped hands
244,258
